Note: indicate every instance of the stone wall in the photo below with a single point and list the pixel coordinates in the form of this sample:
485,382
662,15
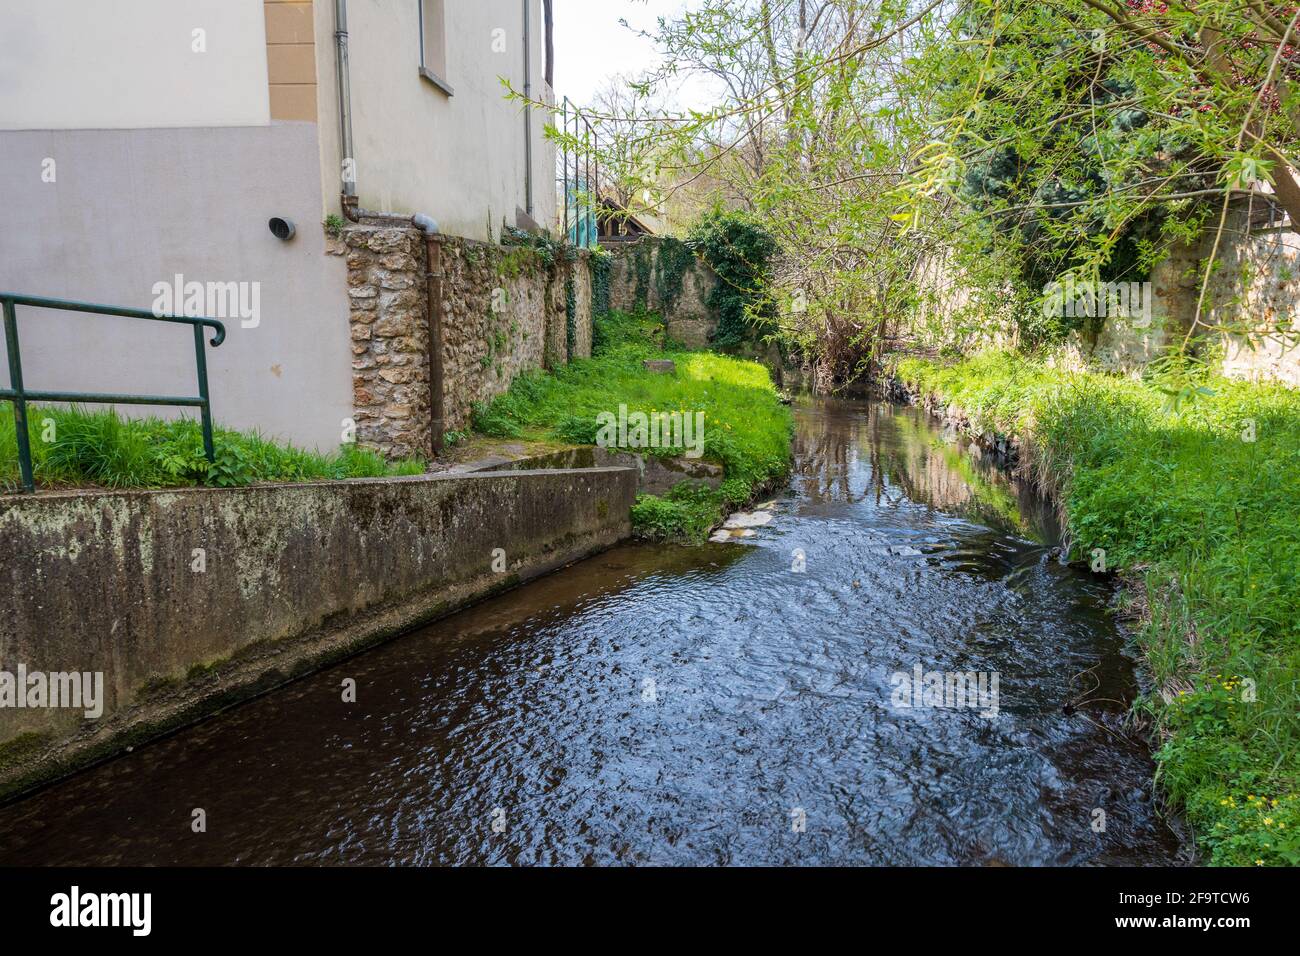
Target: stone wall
1259,279
187,601
390,338
637,283
1256,282
581,274
498,318
504,311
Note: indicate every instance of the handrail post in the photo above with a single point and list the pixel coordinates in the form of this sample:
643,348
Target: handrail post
201,361
19,399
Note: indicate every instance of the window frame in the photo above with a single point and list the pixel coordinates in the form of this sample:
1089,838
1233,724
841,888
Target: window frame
429,74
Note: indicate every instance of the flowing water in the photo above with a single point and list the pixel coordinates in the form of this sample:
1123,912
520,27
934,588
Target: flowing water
710,705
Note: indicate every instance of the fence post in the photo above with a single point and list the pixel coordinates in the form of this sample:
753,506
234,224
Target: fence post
201,360
19,399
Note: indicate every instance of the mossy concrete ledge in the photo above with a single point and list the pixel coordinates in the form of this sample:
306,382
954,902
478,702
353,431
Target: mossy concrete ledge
190,600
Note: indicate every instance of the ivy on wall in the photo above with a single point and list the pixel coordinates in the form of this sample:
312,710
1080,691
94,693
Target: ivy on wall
602,271
549,251
675,259
739,251
643,261
570,317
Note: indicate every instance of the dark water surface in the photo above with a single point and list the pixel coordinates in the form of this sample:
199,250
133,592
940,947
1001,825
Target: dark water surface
682,705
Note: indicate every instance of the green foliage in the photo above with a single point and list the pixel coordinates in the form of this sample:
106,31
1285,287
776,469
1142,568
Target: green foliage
549,251
1197,500
614,330
643,264
931,182
675,259
746,428
570,318
739,250
101,449
602,268
334,225
687,513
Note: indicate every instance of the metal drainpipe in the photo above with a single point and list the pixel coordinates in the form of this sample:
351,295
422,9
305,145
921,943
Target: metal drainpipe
343,68
528,109
426,224
351,209
433,312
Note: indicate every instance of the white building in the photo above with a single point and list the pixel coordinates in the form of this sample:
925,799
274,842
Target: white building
145,140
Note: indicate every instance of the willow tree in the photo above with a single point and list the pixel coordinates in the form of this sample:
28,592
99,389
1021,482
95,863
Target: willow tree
1082,137
1012,140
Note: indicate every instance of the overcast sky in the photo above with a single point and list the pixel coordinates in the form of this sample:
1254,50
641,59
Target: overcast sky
591,45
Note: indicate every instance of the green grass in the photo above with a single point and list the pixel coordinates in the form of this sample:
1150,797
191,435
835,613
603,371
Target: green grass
746,428
1205,525
74,447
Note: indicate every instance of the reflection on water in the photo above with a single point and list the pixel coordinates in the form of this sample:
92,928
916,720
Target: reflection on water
690,705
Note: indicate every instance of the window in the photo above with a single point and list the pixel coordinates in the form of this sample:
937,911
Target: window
433,43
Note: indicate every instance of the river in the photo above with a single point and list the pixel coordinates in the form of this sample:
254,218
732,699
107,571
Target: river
726,704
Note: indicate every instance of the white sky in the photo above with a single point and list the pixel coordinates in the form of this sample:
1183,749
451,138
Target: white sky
591,45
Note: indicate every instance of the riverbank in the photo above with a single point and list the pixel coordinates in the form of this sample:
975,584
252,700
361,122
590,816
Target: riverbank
1193,496
732,411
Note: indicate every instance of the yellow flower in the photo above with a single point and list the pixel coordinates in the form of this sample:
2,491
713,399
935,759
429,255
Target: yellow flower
1259,862
1268,821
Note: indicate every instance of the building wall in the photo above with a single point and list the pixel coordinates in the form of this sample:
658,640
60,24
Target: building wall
291,59
131,208
76,64
457,158
1260,279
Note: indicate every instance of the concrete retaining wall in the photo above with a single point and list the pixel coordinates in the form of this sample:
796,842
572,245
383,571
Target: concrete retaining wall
189,600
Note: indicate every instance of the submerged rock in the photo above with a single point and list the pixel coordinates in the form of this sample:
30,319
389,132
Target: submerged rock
752,519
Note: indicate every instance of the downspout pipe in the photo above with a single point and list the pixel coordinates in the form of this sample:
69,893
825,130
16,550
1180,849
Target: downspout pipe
426,224
348,195
344,75
433,313
528,109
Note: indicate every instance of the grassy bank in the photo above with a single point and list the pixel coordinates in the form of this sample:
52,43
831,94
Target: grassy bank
746,429
76,447
1197,503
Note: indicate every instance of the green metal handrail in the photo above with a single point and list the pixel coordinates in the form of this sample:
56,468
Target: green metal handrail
20,396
